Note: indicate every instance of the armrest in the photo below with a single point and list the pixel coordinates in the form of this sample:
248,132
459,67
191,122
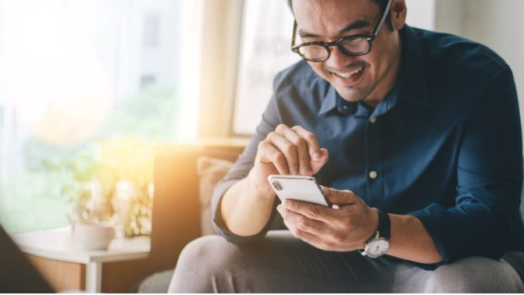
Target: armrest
176,205
175,218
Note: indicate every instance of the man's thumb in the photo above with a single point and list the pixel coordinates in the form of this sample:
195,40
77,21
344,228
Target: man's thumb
339,197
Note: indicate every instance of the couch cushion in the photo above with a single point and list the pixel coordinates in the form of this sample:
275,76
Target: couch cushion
210,171
156,283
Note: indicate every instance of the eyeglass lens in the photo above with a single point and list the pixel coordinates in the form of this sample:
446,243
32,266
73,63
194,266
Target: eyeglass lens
353,46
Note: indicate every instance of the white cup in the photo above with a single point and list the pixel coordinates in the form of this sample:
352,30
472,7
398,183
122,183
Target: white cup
90,236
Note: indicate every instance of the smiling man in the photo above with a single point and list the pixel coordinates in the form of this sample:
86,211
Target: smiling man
415,137
366,78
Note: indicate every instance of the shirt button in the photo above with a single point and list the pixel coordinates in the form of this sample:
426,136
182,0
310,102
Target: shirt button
373,120
345,107
373,174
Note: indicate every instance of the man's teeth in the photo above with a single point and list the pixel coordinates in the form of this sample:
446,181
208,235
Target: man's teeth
348,75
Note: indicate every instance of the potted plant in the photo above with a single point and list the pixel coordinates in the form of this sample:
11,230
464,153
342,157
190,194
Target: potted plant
91,210
127,164
110,187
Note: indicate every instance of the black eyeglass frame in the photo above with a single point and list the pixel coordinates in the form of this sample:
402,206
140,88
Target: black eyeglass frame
327,45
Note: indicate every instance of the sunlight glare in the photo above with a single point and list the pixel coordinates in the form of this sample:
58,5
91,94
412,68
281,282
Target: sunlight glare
69,97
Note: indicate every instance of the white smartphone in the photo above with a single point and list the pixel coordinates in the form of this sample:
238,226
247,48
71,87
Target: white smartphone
302,188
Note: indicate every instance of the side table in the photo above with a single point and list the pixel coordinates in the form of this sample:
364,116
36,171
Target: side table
68,267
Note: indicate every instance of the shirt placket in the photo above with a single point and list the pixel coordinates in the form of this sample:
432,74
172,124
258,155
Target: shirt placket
374,174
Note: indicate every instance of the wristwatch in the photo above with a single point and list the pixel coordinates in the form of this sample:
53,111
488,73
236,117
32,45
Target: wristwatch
378,244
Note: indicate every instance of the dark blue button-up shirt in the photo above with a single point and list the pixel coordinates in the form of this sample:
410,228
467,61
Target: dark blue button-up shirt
444,145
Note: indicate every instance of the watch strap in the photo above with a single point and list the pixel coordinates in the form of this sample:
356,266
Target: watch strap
384,224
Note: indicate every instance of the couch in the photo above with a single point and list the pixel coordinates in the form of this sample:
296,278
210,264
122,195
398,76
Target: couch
185,176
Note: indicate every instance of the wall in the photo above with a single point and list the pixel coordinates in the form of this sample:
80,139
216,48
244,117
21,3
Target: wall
497,24
421,14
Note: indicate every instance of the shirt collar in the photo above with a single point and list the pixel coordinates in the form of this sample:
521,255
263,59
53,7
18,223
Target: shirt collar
330,101
411,84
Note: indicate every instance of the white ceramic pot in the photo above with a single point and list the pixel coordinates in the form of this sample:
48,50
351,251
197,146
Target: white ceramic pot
91,236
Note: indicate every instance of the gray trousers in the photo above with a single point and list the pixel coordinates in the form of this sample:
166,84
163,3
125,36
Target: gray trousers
281,263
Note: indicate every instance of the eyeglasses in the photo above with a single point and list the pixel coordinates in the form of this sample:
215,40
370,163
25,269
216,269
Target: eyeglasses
353,45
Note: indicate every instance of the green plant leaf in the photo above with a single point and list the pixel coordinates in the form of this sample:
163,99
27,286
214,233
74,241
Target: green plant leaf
51,166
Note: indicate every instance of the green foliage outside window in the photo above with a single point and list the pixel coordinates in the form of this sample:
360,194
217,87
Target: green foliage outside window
40,195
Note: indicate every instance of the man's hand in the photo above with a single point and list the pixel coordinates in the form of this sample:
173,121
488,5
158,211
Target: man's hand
287,151
246,207
346,227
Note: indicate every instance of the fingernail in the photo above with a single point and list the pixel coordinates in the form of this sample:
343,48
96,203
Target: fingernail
316,155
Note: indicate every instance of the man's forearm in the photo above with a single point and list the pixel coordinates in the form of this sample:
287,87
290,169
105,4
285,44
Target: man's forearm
411,241
246,209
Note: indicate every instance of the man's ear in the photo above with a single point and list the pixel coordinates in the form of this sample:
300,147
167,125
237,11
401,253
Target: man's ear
399,13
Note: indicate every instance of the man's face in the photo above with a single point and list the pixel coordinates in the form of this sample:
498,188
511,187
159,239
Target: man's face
365,78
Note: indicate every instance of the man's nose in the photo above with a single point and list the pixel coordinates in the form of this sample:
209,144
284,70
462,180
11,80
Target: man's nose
338,59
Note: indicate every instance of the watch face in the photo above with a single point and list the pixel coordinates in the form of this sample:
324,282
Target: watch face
377,248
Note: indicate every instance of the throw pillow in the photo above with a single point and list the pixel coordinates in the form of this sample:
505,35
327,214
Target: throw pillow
210,171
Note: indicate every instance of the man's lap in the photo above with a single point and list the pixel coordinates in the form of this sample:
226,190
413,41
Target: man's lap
282,263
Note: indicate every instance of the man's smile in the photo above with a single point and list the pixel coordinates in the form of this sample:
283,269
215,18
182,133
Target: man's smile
348,78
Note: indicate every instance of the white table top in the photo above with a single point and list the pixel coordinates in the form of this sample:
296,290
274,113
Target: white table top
58,244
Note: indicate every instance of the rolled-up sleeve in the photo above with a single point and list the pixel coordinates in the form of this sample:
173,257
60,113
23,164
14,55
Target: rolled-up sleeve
485,220
241,168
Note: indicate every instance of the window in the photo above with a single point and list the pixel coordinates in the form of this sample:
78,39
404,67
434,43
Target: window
265,50
76,74
151,29
147,80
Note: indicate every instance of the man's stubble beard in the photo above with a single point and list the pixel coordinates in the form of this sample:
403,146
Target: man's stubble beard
355,93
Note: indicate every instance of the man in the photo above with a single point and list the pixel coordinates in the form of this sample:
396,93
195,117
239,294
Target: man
414,135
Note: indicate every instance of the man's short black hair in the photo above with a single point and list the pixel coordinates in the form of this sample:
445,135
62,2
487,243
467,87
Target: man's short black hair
381,3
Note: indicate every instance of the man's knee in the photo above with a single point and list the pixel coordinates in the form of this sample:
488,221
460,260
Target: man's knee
201,264
202,249
475,275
